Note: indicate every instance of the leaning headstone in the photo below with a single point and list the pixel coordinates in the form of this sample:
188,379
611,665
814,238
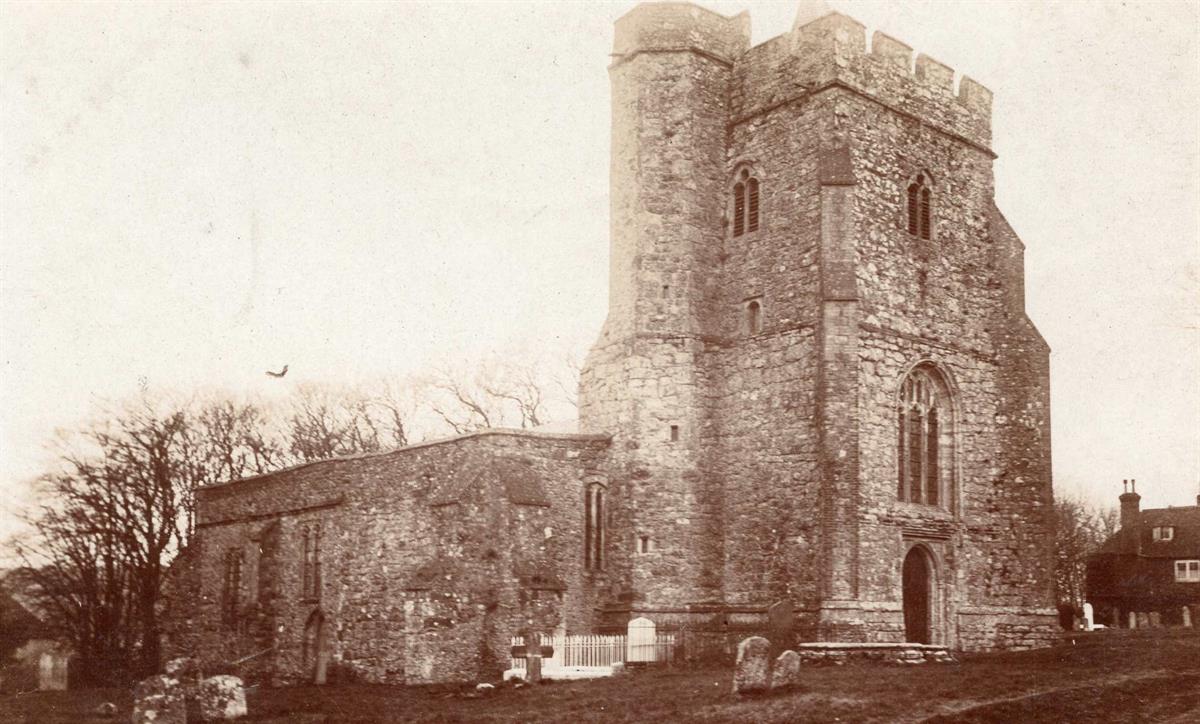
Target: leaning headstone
753,669
1187,617
780,622
786,672
1155,619
159,700
639,641
221,697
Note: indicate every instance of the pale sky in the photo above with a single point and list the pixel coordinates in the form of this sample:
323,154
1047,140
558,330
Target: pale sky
193,193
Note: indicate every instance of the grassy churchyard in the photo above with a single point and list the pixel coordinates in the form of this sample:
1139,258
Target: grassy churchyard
1110,676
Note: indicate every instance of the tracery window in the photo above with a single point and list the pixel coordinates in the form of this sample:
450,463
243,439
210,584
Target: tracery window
232,586
920,202
745,204
922,450
310,579
593,512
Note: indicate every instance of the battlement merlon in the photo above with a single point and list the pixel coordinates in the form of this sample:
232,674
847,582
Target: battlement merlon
663,27
833,49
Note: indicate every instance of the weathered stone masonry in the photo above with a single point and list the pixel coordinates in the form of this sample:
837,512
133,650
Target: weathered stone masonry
431,558
784,480
741,405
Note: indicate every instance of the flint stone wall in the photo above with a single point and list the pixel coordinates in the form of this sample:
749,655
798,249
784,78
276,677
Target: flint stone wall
430,556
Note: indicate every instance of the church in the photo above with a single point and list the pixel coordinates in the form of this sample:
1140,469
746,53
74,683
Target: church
816,384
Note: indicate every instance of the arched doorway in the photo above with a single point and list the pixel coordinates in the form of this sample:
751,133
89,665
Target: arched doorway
313,652
918,596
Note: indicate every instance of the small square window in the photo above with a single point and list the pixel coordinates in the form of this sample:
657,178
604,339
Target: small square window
1164,533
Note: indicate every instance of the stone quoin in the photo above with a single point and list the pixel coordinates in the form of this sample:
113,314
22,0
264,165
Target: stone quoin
816,383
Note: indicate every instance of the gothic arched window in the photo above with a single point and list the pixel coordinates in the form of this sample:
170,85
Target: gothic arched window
593,527
923,451
232,593
745,204
920,202
754,317
310,579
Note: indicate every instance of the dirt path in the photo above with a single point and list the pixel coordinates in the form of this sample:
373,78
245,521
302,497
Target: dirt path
1159,696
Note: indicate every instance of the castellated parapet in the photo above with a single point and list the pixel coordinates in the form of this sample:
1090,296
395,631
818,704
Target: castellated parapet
749,371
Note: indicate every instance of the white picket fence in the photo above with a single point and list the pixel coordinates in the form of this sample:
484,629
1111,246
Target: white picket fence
595,655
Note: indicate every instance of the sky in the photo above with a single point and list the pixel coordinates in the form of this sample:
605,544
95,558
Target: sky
193,193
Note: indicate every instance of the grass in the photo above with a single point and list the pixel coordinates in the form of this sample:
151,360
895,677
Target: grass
1114,676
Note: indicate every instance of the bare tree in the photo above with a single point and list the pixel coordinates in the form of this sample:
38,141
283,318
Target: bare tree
496,392
234,440
1080,529
462,403
397,400
518,385
117,511
565,378
328,421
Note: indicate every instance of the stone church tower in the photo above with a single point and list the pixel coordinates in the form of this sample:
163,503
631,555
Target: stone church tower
817,370
816,386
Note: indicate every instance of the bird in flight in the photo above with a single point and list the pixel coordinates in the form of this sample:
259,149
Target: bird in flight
280,373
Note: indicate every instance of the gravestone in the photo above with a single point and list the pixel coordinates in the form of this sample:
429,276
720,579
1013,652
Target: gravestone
1155,619
159,700
752,672
639,642
1132,620
1187,617
780,624
1089,620
786,672
221,697
53,670
1143,621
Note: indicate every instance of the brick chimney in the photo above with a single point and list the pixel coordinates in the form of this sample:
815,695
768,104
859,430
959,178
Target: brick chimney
1130,503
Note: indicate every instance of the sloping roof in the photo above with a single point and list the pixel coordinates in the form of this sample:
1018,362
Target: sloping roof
519,482
20,620
1185,543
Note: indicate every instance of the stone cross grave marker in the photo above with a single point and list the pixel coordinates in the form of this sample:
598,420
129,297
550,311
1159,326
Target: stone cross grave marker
640,641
